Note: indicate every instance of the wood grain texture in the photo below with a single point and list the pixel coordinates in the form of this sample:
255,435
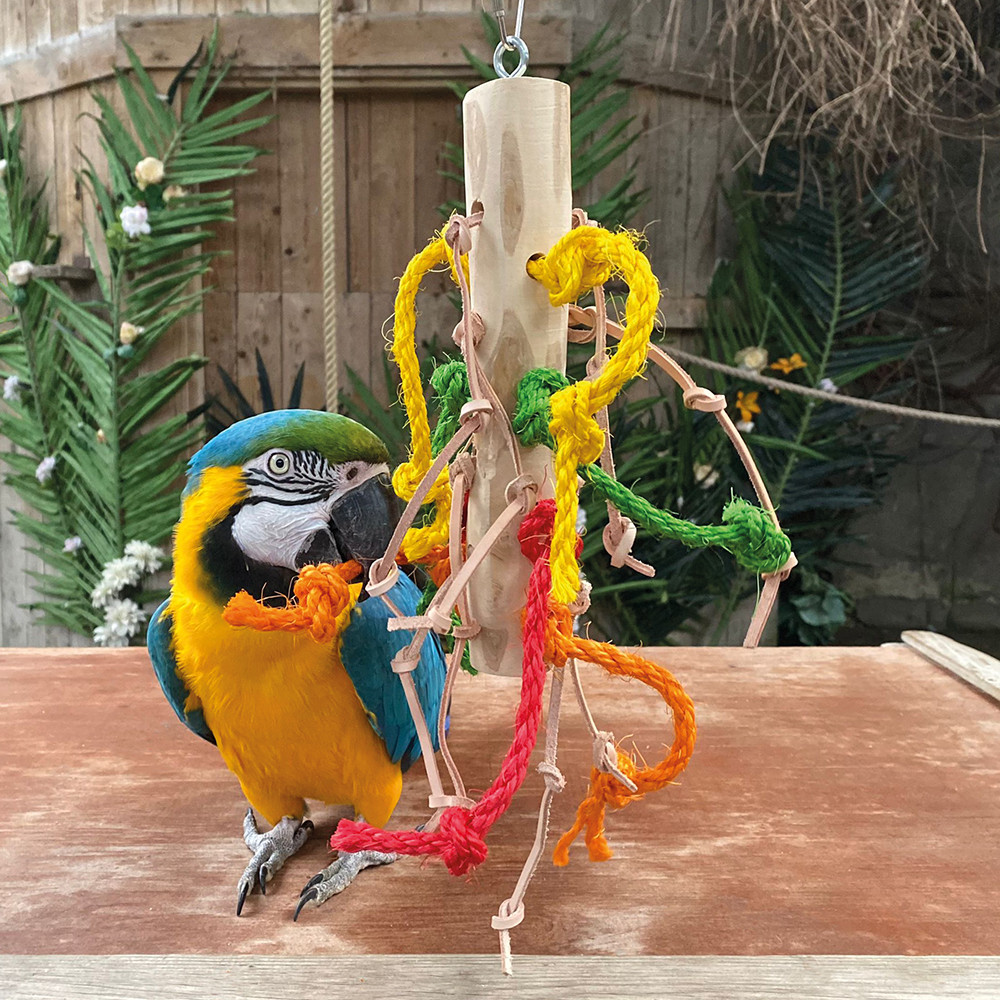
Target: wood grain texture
396,46
839,801
517,172
472,977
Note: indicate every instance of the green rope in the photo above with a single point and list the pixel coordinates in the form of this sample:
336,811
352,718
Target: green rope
747,531
451,387
532,412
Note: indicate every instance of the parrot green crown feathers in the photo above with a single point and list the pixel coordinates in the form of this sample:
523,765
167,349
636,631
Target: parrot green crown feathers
336,437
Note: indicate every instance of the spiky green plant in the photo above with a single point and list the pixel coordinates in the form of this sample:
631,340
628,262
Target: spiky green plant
88,399
815,265
598,124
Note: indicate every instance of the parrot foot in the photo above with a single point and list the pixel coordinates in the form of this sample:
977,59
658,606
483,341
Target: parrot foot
270,851
338,876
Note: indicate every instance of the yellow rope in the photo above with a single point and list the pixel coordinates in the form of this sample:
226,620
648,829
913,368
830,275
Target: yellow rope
419,541
583,258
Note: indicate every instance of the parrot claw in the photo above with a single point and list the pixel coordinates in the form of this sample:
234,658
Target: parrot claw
270,851
338,876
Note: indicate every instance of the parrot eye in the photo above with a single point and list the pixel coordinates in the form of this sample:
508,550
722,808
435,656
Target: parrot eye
279,464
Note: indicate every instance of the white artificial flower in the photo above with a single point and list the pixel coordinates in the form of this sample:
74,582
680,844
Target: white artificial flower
705,475
103,636
44,471
3,169
752,358
19,273
149,557
101,594
828,385
148,171
12,389
102,437
173,191
123,618
744,426
72,544
122,572
128,333
135,221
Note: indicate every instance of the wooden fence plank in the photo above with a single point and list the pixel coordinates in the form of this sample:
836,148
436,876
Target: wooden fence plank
358,194
63,19
302,342
700,199
258,328
391,200
299,180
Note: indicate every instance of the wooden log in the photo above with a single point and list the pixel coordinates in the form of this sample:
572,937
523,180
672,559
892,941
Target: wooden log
517,170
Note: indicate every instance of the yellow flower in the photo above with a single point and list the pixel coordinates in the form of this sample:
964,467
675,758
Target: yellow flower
148,171
787,365
746,403
173,191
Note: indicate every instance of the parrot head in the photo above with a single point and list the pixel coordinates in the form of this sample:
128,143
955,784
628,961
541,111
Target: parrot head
281,490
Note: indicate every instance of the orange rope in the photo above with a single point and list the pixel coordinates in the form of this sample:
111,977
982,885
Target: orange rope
322,595
605,790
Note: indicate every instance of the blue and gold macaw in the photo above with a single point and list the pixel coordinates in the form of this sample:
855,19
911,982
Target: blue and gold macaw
294,719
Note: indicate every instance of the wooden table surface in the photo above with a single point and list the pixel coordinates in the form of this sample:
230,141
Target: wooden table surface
840,801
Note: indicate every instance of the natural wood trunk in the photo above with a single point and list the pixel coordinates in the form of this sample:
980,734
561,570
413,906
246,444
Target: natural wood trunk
517,170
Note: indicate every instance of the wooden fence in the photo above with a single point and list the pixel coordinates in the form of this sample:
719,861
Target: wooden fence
393,113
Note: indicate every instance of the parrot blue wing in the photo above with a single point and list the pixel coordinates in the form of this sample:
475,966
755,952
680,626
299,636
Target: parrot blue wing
367,649
159,642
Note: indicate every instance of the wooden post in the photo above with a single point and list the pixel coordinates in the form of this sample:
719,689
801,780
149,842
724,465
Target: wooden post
517,170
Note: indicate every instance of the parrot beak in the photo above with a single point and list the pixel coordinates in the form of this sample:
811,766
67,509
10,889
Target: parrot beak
363,520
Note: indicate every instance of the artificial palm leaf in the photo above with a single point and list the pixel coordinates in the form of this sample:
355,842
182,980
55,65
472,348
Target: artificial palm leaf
87,397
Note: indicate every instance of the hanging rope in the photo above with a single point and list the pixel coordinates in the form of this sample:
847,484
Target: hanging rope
331,359
906,412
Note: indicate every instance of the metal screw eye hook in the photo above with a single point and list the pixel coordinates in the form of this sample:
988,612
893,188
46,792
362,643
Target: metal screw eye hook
516,44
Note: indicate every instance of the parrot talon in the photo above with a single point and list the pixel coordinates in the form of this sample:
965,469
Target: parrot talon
338,876
270,851
308,897
244,886
315,880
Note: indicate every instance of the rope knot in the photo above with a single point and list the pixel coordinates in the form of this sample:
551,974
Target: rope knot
762,547
700,398
572,422
533,412
322,595
464,848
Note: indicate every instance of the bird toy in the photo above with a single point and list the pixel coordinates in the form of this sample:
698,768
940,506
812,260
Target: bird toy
288,554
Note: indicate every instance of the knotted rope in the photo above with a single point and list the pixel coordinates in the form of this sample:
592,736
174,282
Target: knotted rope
585,257
322,595
460,840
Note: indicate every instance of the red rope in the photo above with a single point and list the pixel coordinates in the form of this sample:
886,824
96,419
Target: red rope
460,840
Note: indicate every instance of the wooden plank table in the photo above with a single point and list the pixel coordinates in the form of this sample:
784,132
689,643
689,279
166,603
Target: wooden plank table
840,802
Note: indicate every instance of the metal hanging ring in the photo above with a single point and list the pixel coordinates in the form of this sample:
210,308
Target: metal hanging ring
514,43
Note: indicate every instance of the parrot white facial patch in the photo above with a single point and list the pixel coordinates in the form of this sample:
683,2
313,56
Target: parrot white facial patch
274,534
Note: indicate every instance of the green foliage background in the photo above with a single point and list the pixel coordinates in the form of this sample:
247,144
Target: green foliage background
87,399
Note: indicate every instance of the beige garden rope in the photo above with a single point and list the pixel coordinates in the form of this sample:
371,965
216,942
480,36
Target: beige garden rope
907,412
327,204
